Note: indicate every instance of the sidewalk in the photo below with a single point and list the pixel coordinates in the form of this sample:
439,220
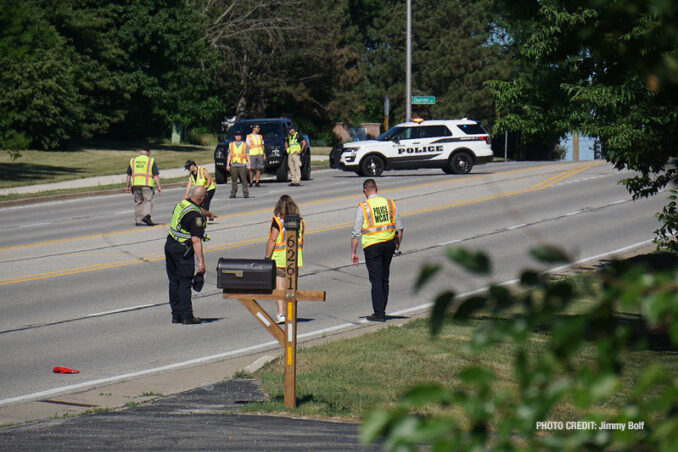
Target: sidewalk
108,180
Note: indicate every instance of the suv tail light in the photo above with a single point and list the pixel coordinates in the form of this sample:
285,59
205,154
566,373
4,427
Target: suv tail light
487,139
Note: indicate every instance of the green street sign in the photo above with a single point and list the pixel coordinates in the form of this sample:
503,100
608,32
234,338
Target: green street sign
419,100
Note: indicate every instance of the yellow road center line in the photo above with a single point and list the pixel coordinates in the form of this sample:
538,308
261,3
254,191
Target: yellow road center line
157,257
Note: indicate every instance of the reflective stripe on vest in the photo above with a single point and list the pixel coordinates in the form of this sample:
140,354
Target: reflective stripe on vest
255,144
142,171
237,152
199,180
280,251
378,220
176,229
293,145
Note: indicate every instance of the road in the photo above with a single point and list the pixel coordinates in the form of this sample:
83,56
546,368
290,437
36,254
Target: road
82,287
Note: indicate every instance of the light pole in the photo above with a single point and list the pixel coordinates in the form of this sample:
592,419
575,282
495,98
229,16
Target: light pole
408,64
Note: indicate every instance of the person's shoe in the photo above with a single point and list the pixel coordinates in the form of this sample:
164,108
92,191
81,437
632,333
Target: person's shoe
375,318
147,220
139,224
246,196
232,196
250,184
279,318
257,184
192,321
177,319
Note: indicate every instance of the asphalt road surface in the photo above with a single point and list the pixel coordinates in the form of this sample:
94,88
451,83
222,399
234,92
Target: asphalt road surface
82,287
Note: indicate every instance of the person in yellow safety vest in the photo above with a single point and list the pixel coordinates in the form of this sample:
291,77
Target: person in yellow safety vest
276,246
255,148
142,179
378,222
294,149
238,162
199,177
184,241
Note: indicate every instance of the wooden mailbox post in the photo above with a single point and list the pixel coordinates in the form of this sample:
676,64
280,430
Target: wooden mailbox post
287,337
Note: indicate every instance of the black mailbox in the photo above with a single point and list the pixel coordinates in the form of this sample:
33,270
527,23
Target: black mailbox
246,275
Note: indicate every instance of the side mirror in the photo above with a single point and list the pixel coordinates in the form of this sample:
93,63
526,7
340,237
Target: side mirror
396,140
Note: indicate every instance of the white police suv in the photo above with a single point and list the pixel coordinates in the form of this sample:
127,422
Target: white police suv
454,145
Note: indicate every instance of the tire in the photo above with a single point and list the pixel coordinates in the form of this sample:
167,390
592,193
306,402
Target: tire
372,166
461,163
220,176
281,172
306,167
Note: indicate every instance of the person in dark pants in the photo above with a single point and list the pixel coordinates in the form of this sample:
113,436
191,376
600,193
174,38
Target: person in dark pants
186,234
238,163
378,222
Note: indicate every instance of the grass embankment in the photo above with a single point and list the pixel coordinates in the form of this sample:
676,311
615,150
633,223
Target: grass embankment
43,167
347,378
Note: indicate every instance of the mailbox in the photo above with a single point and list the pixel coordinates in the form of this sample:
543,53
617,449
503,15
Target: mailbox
246,275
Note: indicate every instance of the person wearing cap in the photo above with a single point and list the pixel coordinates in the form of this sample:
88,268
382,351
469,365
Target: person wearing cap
238,162
255,149
184,242
294,149
198,176
142,179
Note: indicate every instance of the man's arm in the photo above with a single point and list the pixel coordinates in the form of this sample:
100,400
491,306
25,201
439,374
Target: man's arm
207,176
127,185
356,232
197,249
303,145
157,183
188,187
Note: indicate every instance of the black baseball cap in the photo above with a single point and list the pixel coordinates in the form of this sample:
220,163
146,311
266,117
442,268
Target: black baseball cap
188,164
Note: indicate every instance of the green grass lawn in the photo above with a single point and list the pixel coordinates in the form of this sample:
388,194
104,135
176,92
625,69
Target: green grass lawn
346,378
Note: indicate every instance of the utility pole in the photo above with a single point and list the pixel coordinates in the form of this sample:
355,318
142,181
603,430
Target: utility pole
408,64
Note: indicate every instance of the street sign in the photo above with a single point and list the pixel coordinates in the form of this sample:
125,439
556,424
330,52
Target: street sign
419,100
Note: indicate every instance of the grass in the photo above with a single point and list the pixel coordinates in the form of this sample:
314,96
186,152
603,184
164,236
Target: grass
347,378
41,167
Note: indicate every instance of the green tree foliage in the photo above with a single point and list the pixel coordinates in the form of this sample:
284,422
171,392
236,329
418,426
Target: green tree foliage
605,68
72,70
455,50
486,419
40,105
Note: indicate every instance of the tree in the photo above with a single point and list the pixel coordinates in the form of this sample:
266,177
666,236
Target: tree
40,104
607,69
455,51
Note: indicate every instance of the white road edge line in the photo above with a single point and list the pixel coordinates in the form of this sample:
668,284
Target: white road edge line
254,348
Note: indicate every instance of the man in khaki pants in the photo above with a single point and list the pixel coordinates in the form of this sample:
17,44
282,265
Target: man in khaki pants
294,148
142,179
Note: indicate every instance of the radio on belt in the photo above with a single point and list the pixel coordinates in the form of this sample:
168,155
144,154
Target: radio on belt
246,275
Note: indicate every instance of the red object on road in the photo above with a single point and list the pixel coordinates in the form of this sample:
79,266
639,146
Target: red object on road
65,370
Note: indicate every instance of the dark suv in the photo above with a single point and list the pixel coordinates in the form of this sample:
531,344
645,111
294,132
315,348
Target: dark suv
274,131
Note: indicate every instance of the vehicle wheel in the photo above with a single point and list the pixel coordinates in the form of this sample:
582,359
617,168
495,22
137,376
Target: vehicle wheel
461,163
372,166
281,172
220,176
306,167
447,170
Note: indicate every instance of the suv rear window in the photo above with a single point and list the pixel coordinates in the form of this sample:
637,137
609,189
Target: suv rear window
472,129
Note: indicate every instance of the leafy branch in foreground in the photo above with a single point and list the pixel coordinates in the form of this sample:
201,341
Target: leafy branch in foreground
478,417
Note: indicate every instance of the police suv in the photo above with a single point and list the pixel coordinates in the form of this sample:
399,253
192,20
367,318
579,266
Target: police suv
454,145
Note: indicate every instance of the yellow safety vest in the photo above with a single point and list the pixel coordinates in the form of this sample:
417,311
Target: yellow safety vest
176,230
142,171
293,145
279,254
237,152
199,180
378,220
255,144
